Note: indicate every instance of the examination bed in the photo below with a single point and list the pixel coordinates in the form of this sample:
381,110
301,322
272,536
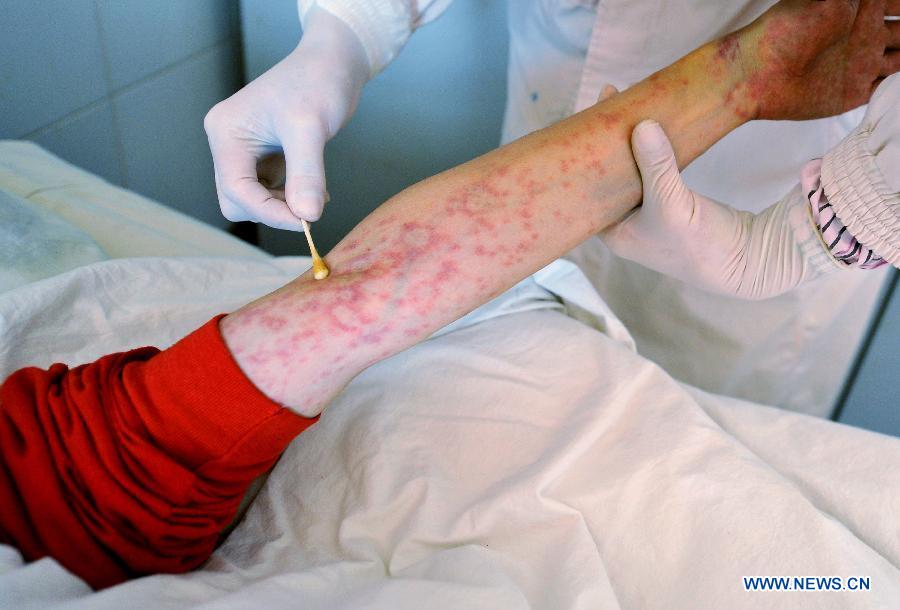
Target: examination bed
523,457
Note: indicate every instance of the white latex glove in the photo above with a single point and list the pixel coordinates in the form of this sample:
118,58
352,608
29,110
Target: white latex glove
295,107
710,245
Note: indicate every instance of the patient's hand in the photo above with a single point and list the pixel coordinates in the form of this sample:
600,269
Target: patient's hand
806,59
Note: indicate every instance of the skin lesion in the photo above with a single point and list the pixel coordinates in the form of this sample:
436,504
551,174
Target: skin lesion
442,247
729,48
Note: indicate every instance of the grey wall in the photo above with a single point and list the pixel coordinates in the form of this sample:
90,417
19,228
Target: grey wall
120,87
439,104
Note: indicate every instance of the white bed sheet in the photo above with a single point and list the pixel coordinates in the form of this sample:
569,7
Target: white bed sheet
520,459
525,457
121,222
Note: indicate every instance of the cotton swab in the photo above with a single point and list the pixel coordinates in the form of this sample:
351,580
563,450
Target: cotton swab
320,269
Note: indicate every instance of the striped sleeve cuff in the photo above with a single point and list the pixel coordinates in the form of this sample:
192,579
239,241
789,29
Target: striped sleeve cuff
843,246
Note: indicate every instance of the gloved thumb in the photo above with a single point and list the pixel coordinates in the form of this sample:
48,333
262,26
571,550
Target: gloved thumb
304,187
666,203
656,162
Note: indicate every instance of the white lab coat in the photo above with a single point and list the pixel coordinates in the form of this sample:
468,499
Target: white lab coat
792,351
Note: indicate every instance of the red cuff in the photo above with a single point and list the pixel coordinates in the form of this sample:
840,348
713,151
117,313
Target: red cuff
135,463
224,407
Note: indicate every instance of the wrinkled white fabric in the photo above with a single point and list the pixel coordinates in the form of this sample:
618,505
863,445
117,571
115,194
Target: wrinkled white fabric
119,221
521,459
35,243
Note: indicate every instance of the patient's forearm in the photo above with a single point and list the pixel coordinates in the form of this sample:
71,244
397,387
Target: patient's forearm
450,243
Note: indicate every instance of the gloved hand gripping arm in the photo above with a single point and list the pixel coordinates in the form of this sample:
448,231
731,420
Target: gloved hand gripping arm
712,246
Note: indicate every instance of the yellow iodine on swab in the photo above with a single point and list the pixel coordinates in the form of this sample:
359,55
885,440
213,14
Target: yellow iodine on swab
320,269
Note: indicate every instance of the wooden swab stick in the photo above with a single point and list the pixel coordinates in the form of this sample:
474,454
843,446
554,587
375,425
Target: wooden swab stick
320,269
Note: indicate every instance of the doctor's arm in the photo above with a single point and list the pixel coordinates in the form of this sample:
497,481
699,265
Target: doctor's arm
135,463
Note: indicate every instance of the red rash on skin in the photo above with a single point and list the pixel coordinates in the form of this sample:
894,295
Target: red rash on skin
272,323
441,247
385,222
728,48
610,120
304,335
448,269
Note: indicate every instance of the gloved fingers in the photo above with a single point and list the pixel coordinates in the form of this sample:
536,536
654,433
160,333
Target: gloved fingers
607,92
662,185
275,213
241,194
655,158
230,210
271,171
304,149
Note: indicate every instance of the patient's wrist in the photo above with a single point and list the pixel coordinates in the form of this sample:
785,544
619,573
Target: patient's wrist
739,96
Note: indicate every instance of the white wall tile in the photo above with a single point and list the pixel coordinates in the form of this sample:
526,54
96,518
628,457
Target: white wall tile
161,127
86,140
141,37
273,26
50,62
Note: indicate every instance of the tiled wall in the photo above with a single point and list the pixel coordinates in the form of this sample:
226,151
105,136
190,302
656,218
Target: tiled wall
120,87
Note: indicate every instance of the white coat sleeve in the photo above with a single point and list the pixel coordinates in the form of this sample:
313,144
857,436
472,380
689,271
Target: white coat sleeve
383,26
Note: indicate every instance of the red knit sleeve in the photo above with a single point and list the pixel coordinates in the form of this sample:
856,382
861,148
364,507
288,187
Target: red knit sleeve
135,463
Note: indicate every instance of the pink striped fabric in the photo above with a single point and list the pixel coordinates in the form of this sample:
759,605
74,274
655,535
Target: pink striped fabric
843,246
